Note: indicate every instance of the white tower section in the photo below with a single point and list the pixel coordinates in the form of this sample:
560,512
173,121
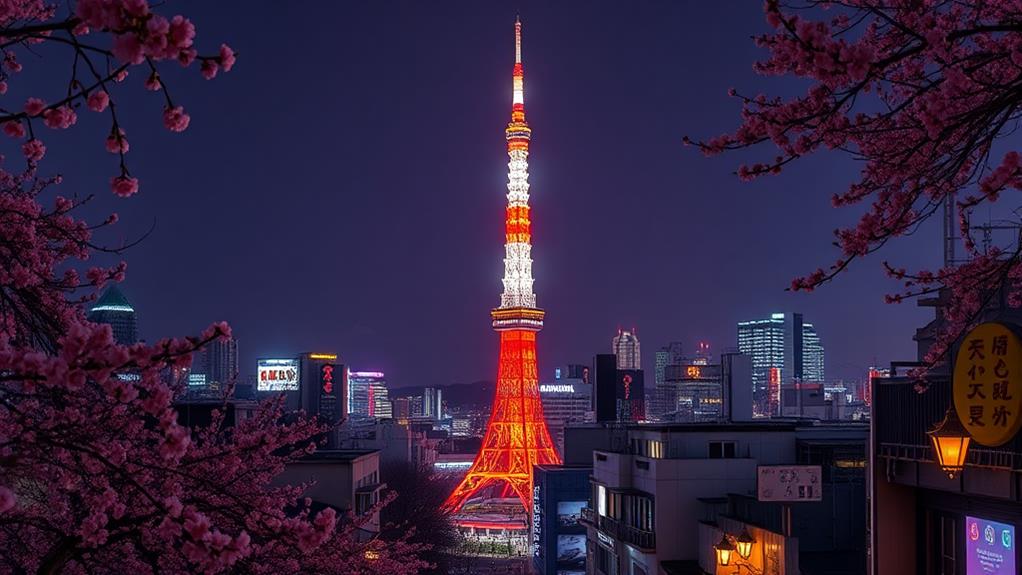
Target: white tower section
518,247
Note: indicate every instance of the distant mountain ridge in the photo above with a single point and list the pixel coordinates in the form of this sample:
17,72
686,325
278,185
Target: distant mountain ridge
456,394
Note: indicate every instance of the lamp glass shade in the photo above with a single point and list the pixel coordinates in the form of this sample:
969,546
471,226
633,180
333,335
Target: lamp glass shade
744,544
950,444
724,550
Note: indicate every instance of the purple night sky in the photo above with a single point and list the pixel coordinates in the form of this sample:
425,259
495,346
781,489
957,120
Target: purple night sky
343,188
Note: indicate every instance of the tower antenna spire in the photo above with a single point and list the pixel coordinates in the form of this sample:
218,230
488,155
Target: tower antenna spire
518,39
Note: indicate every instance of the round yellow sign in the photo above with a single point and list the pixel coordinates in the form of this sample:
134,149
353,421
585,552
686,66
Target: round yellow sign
987,384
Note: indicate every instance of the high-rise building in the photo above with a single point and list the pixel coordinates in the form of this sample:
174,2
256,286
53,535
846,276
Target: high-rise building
216,365
605,388
626,348
324,389
402,409
566,400
696,388
812,364
113,308
670,354
432,403
368,395
516,438
785,351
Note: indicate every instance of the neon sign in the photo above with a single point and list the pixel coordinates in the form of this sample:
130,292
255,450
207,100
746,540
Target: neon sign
557,388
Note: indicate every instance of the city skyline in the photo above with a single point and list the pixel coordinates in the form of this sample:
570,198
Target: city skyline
366,306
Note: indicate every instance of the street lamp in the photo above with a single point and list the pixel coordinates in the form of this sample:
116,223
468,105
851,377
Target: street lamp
744,543
724,550
950,443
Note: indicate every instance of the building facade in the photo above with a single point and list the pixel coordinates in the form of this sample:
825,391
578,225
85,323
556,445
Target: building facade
113,309
558,538
661,401
661,496
566,400
627,349
368,396
216,365
785,351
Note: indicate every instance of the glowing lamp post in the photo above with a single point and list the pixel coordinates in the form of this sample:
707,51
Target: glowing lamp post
744,543
950,443
725,549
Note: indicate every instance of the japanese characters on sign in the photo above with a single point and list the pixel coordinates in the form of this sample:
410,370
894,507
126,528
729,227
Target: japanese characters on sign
987,384
277,375
789,483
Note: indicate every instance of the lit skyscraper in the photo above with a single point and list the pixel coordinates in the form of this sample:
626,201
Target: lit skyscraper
368,395
626,348
113,308
217,363
670,354
784,351
812,352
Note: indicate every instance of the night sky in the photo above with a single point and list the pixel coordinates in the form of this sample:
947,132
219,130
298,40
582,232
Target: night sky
343,188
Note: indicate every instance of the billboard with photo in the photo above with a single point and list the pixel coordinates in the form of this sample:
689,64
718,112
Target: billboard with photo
277,375
571,550
569,512
989,547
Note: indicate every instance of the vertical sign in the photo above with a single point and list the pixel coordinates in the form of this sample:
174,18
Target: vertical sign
987,385
331,377
537,520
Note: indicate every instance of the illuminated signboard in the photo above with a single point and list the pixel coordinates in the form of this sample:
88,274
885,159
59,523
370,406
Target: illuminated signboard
537,521
277,375
556,388
989,547
331,385
789,483
692,371
197,379
987,378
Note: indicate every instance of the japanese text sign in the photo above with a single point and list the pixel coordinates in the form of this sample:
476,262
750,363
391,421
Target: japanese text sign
987,384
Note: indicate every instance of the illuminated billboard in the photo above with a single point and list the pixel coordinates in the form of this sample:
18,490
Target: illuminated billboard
989,547
569,513
571,550
277,375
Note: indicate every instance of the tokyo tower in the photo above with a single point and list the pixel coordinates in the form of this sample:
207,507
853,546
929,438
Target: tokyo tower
516,435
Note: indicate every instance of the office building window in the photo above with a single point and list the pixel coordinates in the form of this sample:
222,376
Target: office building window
722,450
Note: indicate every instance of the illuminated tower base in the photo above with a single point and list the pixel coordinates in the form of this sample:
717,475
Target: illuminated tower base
516,437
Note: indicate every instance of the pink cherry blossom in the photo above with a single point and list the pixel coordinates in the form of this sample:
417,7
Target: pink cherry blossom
98,101
227,57
34,150
117,142
60,118
34,106
209,69
152,83
124,186
175,119
14,129
128,48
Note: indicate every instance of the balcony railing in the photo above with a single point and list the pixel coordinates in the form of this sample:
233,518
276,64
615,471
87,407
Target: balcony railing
902,416
645,540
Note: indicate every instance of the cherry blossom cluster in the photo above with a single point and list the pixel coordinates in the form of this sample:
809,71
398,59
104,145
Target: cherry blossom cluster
918,93
106,38
98,474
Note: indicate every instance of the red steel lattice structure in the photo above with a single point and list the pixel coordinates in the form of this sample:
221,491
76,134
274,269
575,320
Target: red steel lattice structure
516,436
